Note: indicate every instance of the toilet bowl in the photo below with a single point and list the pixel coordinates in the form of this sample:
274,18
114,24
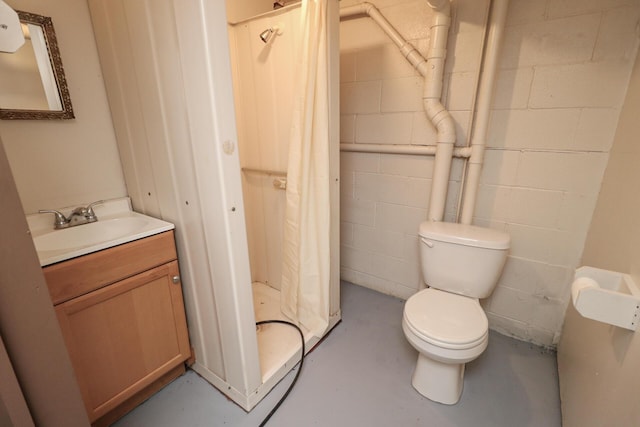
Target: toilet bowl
445,322
448,331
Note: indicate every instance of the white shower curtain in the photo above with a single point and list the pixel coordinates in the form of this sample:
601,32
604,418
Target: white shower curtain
305,271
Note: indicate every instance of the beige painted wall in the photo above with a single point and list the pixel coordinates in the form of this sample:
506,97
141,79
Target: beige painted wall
599,365
70,162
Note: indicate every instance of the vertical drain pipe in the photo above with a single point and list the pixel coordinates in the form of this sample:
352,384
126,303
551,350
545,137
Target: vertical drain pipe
483,107
436,112
432,69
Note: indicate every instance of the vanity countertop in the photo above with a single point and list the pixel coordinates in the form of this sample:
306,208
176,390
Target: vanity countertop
117,224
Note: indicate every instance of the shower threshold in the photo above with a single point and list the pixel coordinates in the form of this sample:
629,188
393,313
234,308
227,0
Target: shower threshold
278,349
277,344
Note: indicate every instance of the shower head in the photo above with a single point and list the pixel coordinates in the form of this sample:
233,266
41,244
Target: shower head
268,34
265,36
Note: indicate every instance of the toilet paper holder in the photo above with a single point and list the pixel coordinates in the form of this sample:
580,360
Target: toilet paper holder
606,296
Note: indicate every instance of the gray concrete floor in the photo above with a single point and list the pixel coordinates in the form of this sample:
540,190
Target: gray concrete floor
360,375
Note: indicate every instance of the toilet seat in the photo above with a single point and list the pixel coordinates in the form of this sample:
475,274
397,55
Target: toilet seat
446,320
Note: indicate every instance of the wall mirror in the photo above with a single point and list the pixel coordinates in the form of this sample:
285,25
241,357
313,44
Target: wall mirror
33,85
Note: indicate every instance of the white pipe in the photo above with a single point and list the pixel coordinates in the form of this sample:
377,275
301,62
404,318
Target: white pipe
406,48
438,4
420,150
483,107
436,112
432,69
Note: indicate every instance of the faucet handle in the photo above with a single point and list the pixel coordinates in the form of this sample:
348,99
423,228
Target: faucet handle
60,222
91,215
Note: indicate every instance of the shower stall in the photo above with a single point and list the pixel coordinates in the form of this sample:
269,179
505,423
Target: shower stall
203,108
265,49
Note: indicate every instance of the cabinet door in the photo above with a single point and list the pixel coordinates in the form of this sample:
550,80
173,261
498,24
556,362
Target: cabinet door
123,337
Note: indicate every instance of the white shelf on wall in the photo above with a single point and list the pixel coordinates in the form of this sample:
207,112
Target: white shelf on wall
606,296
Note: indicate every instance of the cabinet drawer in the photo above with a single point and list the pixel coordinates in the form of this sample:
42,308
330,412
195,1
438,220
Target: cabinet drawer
84,274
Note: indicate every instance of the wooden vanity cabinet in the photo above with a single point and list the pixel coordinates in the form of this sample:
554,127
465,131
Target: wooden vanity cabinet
127,337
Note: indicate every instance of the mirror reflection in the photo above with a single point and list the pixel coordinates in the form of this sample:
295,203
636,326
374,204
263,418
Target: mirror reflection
33,85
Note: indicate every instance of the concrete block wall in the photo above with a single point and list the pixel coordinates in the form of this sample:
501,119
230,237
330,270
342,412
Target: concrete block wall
384,197
564,71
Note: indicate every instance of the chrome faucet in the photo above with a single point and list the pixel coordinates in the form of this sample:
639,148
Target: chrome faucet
79,216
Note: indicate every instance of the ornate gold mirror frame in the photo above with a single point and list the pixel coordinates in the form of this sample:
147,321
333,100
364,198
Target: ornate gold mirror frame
66,112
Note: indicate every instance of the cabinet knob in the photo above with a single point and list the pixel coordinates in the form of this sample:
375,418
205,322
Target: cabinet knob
175,279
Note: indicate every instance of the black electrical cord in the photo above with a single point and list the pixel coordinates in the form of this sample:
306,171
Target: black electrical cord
275,408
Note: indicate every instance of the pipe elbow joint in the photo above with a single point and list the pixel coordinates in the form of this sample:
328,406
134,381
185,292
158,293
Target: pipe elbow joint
366,7
440,5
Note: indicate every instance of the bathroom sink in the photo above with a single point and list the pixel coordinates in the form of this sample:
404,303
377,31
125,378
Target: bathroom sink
114,227
88,234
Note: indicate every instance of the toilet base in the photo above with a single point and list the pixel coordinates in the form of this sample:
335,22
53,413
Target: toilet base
437,381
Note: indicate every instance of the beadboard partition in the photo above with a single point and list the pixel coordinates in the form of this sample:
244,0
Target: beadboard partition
167,73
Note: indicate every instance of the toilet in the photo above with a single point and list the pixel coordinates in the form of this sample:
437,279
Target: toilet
445,322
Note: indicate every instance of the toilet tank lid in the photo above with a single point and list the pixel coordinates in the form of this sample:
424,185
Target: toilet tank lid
462,234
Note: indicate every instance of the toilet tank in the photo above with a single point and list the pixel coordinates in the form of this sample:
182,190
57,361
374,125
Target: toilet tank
463,259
